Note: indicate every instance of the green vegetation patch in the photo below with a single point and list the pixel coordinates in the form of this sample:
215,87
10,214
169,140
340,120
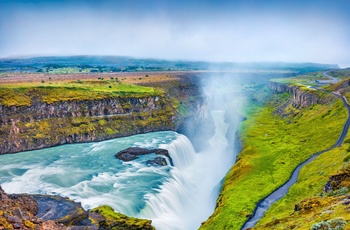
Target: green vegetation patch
272,147
306,199
309,79
337,86
341,87
24,94
340,73
119,221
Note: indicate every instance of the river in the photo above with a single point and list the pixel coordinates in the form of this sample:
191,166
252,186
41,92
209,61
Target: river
178,197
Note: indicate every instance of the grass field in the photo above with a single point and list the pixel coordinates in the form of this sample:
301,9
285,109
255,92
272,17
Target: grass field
306,79
308,193
22,94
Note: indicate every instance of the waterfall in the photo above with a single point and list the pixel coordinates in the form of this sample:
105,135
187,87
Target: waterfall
188,197
181,151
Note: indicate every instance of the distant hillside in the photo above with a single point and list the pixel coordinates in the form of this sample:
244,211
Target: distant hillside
86,64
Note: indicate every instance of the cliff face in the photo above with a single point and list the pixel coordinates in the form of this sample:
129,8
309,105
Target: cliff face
103,107
302,97
43,125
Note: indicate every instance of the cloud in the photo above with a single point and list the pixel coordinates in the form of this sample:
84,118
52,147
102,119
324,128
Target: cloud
205,31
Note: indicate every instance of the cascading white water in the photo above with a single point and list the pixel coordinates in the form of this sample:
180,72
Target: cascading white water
188,197
181,151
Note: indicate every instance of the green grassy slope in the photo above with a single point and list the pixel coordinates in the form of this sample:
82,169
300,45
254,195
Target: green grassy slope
313,204
272,147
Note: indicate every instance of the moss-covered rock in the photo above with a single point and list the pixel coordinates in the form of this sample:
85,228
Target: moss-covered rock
118,221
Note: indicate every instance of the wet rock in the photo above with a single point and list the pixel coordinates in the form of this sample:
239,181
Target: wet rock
158,161
132,153
61,210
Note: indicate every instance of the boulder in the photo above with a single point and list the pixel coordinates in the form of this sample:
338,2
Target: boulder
59,209
132,153
158,161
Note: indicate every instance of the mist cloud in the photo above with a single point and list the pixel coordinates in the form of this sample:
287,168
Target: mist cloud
208,31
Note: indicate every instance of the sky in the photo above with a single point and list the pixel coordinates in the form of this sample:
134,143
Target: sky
234,31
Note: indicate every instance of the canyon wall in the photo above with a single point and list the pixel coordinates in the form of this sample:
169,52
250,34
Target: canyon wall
40,124
43,125
302,96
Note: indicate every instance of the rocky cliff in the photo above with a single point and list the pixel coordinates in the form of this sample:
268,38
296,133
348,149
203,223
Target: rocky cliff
302,96
43,125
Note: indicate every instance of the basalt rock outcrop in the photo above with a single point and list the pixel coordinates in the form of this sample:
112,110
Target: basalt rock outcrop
302,96
132,153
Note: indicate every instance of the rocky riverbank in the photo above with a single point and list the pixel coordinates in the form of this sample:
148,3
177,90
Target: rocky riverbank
40,212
